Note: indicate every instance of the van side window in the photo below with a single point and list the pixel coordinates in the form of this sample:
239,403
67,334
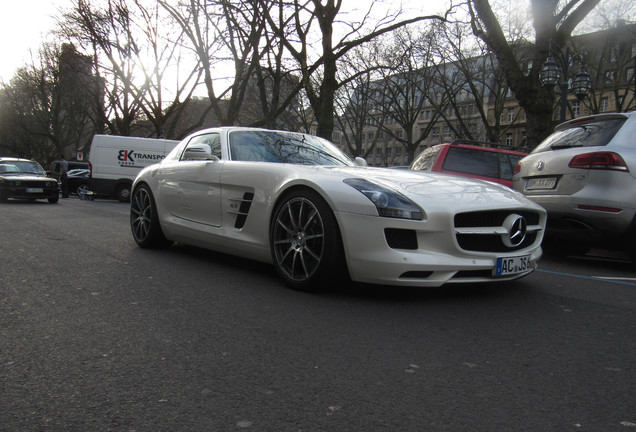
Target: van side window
202,146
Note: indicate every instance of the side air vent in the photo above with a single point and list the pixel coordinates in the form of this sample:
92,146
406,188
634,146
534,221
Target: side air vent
243,209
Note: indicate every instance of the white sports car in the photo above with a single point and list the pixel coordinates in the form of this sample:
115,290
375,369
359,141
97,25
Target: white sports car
298,202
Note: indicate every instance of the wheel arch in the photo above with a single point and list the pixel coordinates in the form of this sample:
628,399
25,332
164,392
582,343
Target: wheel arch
294,187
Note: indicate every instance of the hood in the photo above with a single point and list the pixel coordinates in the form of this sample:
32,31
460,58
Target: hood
445,190
26,177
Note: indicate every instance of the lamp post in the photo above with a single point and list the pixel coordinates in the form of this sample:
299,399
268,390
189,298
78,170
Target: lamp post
550,75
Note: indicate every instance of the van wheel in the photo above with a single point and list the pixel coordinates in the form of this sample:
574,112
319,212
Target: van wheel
144,220
122,193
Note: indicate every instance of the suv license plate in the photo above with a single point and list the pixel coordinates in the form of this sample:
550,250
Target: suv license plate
512,265
35,190
541,183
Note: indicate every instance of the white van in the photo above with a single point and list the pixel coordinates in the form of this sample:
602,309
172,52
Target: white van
115,161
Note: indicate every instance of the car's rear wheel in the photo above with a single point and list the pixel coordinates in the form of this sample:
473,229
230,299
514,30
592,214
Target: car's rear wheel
144,221
305,241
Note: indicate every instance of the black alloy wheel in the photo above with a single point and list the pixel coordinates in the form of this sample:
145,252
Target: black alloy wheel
305,241
144,221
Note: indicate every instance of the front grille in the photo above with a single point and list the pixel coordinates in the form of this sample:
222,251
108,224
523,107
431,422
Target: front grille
492,218
490,230
33,184
400,238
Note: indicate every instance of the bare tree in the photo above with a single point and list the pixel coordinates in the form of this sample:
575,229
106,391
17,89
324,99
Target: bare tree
408,85
49,111
224,34
476,88
552,21
355,106
319,73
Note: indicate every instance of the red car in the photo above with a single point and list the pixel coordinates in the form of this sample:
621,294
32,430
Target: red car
483,161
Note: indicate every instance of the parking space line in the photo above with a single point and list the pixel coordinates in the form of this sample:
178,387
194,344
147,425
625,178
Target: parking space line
620,281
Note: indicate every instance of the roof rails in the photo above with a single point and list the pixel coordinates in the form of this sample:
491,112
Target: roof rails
488,144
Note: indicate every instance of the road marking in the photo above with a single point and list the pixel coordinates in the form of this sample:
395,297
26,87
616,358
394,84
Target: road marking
620,281
616,278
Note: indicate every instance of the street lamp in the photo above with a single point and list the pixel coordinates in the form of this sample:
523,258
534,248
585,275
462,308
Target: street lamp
550,75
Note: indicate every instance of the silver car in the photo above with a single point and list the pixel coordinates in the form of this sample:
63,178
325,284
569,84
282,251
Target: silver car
583,175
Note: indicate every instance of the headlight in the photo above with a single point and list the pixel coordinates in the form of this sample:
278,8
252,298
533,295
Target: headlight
389,203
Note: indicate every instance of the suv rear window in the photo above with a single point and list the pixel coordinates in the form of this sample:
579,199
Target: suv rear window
592,134
475,162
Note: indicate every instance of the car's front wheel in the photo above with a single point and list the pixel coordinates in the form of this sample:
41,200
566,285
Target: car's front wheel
144,220
305,241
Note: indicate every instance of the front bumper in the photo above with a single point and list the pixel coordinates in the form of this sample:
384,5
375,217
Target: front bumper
437,260
35,192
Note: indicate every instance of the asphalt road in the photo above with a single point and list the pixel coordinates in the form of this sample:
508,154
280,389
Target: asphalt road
97,335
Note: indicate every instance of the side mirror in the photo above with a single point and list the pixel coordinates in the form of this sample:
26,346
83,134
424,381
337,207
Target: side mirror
199,152
360,161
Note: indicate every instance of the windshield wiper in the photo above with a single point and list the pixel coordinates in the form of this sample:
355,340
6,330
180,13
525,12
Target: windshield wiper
564,146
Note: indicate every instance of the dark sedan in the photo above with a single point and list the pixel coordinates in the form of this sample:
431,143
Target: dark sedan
26,179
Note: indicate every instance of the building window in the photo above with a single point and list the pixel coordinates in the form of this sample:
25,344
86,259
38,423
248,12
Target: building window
576,108
604,105
447,132
435,132
508,139
511,115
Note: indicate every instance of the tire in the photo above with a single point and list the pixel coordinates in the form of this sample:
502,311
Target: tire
144,221
305,241
54,199
122,193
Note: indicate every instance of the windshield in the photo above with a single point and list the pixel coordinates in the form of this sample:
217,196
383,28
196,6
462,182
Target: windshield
285,147
591,134
21,167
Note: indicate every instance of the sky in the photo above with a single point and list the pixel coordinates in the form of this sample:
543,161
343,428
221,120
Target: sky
23,26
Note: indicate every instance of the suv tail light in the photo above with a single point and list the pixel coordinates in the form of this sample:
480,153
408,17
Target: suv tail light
517,169
600,161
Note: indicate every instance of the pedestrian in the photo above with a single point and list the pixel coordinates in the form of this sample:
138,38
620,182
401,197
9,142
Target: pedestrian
64,176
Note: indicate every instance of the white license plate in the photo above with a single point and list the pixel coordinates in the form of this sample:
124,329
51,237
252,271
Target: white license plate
541,183
35,190
512,265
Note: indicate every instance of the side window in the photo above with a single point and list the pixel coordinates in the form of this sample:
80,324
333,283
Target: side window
426,159
203,147
505,166
475,162
508,163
